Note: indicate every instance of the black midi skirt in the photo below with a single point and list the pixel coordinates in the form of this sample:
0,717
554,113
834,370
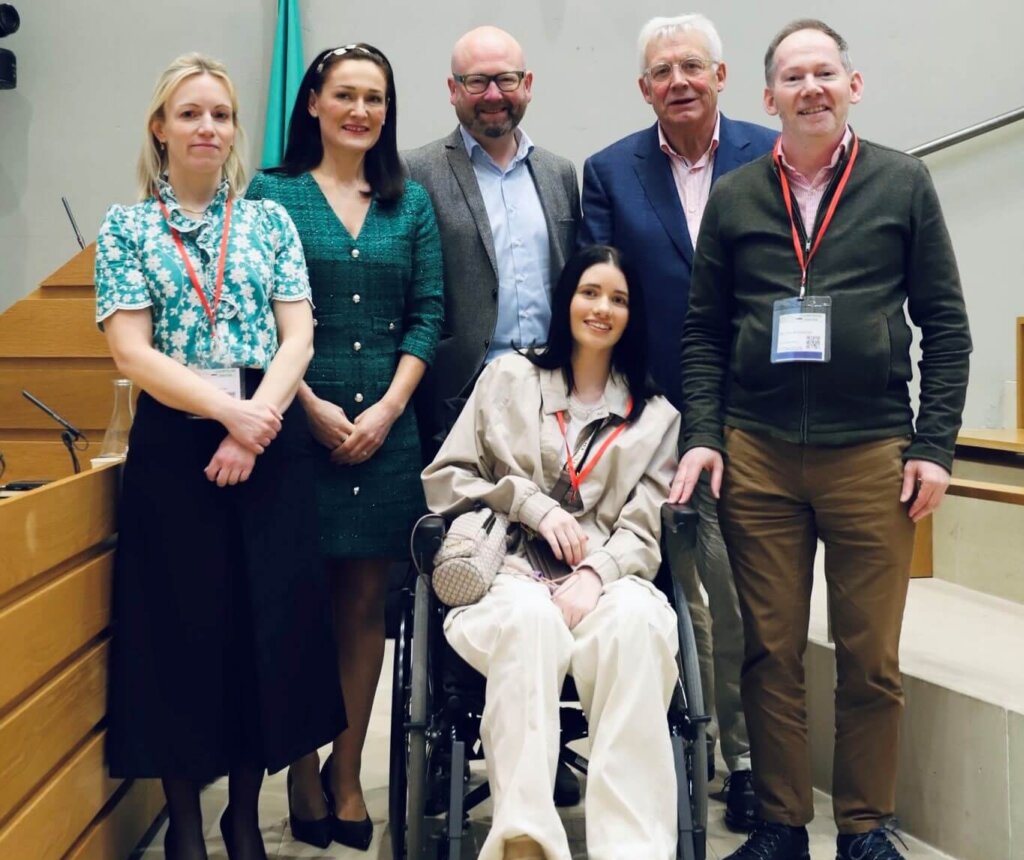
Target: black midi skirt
223,650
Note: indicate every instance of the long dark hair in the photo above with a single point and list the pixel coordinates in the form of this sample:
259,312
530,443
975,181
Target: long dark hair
305,149
629,356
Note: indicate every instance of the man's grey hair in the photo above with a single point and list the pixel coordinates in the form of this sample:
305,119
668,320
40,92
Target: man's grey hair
796,27
660,28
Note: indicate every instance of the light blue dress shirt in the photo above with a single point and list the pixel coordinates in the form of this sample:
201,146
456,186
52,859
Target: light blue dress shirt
521,247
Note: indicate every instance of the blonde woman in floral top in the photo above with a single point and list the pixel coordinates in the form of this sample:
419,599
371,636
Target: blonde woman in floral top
221,657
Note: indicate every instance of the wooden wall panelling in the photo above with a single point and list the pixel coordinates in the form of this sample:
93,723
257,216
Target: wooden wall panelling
37,735
51,328
45,527
52,821
43,629
921,563
85,397
1020,373
115,833
32,460
76,272
56,799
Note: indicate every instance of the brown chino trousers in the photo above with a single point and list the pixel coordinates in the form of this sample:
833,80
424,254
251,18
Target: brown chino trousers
778,499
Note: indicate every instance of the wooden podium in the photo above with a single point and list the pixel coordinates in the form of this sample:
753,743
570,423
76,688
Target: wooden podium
50,346
56,560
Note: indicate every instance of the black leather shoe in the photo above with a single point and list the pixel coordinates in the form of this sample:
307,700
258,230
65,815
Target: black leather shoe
740,802
354,834
567,786
316,833
770,841
874,845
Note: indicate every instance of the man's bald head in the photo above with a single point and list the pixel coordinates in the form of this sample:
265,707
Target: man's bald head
489,86
483,44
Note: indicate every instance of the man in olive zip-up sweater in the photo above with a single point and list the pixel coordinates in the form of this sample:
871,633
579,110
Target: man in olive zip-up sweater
795,367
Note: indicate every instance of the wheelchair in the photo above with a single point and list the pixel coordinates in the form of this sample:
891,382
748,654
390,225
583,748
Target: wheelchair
437,701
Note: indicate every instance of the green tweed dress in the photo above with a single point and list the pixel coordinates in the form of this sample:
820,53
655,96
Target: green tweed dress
376,297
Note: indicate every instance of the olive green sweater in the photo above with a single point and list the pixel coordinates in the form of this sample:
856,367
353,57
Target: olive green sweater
887,245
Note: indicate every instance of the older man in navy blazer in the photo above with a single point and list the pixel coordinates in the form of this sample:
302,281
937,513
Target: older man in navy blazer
645,194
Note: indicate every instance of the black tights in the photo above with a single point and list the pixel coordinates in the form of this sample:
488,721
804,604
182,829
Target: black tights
240,822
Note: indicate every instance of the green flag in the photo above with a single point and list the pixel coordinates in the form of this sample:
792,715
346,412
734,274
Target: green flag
285,76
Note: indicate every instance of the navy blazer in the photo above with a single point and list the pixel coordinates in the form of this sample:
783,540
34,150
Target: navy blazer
630,201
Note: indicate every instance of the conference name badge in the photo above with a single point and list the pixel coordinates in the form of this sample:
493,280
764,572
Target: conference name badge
226,379
802,329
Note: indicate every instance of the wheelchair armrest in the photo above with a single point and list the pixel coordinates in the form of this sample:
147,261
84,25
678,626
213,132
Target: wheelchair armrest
426,540
680,521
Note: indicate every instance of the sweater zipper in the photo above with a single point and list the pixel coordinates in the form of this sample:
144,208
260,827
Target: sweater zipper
804,373
805,291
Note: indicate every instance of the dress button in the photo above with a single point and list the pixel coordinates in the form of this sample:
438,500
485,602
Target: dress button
355,252
358,398
357,346
356,299
391,326
355,491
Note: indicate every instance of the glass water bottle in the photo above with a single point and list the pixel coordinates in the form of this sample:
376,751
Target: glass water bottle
115,440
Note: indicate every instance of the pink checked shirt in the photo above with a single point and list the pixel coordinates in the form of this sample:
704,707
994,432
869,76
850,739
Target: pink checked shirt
808,194
693,181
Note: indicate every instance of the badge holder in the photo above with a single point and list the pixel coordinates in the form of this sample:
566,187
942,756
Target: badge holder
563,493
802,330
230,380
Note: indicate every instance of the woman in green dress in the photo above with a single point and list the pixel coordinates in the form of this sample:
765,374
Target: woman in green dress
374,259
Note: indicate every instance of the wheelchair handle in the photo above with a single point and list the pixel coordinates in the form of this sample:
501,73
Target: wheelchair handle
427,536
676,517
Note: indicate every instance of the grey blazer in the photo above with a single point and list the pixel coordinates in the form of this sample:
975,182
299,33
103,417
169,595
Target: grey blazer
470,269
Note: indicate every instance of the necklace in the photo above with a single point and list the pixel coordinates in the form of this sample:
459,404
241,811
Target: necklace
584,411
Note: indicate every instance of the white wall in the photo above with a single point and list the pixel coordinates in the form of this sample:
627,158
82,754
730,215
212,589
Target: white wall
86,71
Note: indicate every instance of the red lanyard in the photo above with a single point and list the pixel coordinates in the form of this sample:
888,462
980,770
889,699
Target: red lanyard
576,479
787,196
211,310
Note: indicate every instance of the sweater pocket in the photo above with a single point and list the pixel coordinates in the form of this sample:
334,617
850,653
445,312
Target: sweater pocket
900,338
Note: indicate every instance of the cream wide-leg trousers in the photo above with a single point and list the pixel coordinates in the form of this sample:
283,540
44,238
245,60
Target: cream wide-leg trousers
622,658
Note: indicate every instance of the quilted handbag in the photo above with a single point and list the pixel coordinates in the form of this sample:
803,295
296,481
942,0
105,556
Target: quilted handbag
469,557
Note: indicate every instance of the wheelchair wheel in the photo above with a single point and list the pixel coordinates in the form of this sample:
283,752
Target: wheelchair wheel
693,769
409,710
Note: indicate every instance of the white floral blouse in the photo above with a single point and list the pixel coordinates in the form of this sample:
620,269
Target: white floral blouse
138,266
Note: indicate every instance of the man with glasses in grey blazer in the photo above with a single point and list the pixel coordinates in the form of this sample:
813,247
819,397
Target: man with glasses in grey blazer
507,211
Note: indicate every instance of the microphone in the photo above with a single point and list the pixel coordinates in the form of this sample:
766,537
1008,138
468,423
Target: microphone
67,425
71,433
78,236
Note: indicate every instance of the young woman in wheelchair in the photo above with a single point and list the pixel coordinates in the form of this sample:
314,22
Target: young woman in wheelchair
576,449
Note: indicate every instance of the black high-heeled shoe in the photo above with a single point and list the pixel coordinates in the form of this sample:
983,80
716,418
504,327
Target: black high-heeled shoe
228,832
316,832
354,834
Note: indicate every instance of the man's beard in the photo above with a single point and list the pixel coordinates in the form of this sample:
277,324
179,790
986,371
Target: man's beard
490,129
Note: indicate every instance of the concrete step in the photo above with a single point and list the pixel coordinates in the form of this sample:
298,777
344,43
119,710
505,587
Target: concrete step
961,768
980,544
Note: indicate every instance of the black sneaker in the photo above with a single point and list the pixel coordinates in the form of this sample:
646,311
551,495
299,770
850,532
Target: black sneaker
873,845
740,803
567,786
770,841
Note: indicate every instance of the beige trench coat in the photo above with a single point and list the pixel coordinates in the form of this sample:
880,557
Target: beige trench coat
506,451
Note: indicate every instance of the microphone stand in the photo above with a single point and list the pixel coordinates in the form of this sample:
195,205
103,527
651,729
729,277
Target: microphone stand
70,434
69,442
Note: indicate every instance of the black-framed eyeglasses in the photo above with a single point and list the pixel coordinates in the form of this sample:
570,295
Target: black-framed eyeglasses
691,67
507,82
348,49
